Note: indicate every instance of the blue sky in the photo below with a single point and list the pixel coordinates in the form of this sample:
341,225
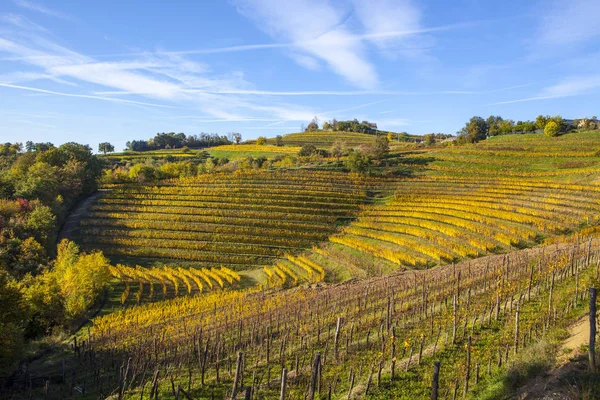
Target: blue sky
111,70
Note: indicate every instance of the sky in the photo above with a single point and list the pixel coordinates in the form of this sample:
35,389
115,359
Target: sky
112,70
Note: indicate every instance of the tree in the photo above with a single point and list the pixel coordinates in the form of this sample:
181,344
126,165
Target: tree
106,147
541,120
475,130
381,147
358,161
429,139
261,141
11,332
494,124
337,149
279,140
237,137
552,129
307,150
313,125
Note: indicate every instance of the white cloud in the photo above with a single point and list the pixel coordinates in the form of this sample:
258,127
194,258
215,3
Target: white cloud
316,29
384,20
29,5
84,96
568,23
567,87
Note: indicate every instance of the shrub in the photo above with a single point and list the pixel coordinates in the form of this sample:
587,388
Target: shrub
552,129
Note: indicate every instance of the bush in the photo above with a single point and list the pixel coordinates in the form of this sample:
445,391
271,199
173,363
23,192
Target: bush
261,141
307,150
358,161
552,129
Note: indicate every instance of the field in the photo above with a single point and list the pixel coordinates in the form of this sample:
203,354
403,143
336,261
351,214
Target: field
238,151
155,155
244,221
325,139
376,338
229,280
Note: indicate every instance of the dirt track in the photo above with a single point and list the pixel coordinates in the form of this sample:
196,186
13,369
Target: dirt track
71,225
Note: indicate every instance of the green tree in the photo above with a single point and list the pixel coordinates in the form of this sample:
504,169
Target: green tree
307,150
475,130
41,222
261,141
429,139
106,147
41,182
11,330
337,149
357,161
279,140
381,147
552,129
541,120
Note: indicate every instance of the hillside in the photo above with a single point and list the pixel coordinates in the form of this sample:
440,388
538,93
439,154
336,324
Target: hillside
442,259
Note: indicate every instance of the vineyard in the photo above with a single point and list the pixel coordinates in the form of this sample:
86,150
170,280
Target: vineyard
440,220
375,338
532,156
475,260
241,221
326,139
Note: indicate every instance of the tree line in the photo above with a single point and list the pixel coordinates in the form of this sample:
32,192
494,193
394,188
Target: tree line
174,140
42,287
343,126
477,128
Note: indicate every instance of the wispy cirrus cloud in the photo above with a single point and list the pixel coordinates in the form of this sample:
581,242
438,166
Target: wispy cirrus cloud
168,80
568,23
323,38
40,8
566,87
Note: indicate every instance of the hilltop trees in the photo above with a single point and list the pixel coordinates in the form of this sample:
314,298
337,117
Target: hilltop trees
343,126
313,125
474,130
479,129
174,140
106,147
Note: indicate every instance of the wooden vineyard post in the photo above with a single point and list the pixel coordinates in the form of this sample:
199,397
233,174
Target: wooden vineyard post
517,325
592,344
283,384
314,377
436,381
238,372
336,339
454,319
468,372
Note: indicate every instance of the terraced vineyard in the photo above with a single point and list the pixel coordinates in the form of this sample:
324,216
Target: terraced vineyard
373,338
441,220
242,221
156,155
531,155
324,139
239,151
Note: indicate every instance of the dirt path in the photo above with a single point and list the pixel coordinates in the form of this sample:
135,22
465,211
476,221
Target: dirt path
557,383
578,336
71,225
